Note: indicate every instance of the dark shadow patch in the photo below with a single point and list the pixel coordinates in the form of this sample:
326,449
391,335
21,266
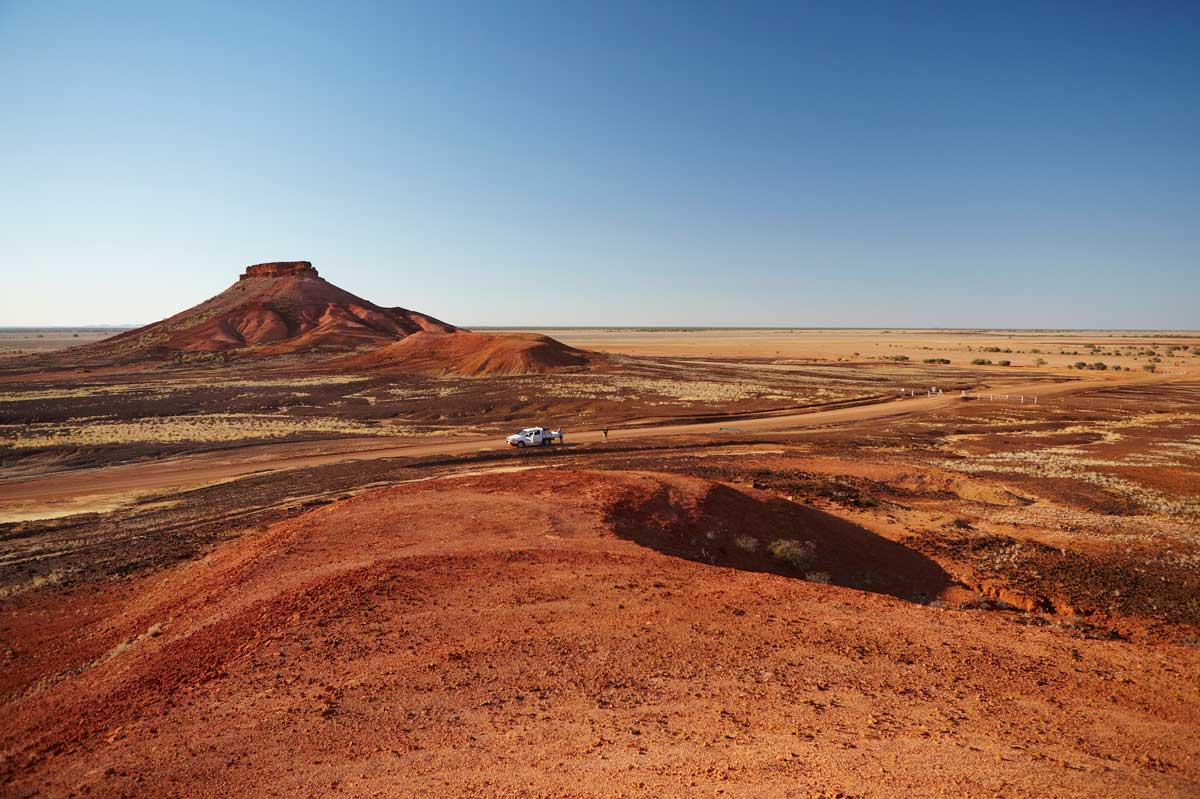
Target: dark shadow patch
755,532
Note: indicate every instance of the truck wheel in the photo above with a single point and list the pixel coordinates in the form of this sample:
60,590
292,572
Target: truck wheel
520,445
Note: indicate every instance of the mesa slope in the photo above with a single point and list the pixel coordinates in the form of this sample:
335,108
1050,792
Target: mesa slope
286,308
600,633
274,308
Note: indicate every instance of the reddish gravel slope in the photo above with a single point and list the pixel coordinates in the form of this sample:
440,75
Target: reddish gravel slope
473,354
574,634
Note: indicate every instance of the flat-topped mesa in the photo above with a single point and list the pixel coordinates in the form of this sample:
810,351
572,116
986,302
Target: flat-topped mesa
277,308
280,269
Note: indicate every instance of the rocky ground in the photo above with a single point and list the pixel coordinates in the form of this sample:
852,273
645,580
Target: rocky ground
987,599
578,642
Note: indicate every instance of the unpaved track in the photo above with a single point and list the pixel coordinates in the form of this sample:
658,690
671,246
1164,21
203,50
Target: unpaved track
102,488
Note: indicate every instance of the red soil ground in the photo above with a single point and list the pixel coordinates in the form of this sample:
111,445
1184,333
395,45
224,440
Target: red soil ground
573,633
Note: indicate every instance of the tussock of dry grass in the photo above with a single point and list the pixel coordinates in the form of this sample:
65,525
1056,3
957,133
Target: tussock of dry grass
54,577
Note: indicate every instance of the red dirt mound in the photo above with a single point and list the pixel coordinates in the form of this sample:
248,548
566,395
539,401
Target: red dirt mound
273,309
473,354
498,635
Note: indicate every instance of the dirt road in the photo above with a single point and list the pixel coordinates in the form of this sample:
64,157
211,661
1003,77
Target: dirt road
104,488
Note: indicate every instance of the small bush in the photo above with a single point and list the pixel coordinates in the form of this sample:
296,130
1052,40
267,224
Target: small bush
745,542
1040,362
797,554
1081,364
1149,367
1004,363
981,362
937,360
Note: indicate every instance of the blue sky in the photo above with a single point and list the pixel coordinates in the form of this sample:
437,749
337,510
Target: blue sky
951,164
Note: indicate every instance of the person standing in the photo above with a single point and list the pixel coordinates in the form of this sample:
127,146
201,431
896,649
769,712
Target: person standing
605,431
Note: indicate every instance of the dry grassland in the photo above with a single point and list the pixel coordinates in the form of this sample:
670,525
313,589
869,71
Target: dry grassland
210,428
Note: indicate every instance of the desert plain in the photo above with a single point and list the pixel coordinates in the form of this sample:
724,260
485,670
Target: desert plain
277,545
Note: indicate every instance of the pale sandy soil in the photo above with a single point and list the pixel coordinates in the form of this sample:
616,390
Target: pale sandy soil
960,346
33,341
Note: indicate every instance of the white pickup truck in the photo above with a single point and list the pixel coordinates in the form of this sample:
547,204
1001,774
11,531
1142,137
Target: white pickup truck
534,435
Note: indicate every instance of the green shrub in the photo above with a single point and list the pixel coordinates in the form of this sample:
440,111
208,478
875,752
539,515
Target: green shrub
1149,367
981,362
797,554
937,360
1004,363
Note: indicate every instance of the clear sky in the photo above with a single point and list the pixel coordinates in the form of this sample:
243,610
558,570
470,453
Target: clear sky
828,163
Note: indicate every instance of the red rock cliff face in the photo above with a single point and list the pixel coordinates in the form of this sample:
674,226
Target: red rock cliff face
280,269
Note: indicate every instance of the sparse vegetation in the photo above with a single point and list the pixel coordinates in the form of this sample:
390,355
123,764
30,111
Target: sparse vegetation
198,429
797,554
746,543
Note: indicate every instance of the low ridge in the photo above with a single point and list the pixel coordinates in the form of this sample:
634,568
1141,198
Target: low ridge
469,354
